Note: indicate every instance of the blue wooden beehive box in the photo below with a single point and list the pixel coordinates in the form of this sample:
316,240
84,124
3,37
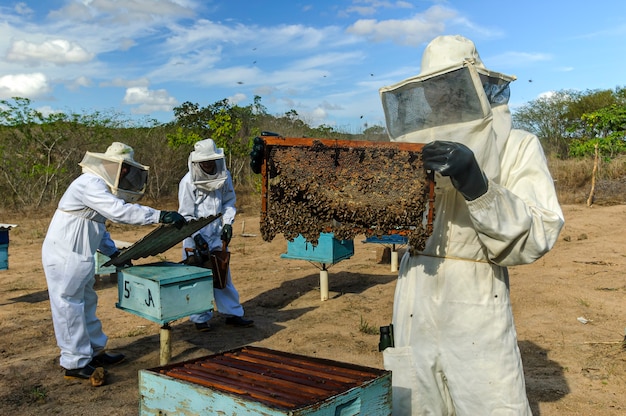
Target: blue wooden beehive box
329,250
163,292
387,239
4,249
100,268
101,259
4,245
254,381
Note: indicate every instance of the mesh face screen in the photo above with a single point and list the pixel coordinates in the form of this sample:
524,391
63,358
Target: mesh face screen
429,103
134,180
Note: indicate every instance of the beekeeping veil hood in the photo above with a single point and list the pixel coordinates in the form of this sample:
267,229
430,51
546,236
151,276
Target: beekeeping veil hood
205,150
454,98
126,178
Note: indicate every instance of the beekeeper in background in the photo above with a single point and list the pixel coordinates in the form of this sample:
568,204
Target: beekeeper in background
455,349
110,184
206,190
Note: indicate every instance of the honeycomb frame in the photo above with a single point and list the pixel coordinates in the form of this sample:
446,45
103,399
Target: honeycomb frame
346,187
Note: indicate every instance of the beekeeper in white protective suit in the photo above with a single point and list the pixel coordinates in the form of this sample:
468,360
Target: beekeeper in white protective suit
110,182
455,350
207,189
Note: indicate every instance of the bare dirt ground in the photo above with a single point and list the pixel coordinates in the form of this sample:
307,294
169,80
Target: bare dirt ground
572,368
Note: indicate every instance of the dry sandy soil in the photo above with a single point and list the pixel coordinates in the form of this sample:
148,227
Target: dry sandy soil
572,368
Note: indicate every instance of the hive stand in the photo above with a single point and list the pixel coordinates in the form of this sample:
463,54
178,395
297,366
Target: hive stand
163,291
392,241
328,251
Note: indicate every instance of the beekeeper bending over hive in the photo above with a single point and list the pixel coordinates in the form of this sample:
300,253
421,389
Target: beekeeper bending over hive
455,348
109,185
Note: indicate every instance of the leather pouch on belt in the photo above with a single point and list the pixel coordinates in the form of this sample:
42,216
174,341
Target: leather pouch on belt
219,261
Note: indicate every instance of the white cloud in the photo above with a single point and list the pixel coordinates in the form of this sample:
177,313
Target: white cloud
24,85
237,98
149,101
547,95
516,59
414,31
126,83
318,116
46,110
278,40
23,9
370,7
57,51
78,83
107,12
126,43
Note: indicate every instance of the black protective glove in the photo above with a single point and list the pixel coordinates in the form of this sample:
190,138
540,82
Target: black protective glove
127,263
458,162
227,233
172,217
257,154
201,245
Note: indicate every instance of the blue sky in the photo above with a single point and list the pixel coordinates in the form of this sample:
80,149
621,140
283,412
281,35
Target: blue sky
324,59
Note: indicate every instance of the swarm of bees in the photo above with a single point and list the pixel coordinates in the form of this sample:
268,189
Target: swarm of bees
345,189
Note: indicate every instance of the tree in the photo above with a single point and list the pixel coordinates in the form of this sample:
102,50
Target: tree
40,153
547,118
557,119
605,128
232,127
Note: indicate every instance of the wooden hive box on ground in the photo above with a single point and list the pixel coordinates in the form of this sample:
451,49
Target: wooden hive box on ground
256,381
347,187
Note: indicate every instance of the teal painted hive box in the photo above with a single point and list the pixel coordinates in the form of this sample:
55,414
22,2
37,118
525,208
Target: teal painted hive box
4,256
4,245
254,381
100,268
329,250
163,292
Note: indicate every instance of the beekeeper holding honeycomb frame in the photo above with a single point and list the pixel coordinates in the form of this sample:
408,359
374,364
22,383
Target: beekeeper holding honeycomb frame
455,348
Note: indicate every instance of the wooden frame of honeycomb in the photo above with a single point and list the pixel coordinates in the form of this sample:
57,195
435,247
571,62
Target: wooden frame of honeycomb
346,187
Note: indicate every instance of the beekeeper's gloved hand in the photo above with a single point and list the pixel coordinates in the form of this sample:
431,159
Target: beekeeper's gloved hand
458,162
127,263
172,217
227,233
257,154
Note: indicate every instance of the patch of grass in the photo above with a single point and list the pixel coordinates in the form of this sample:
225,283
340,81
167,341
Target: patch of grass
366,328
142,330
38,394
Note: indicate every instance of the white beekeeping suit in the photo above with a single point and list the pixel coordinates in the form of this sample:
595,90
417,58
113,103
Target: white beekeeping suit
455,350
202,194
76,231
